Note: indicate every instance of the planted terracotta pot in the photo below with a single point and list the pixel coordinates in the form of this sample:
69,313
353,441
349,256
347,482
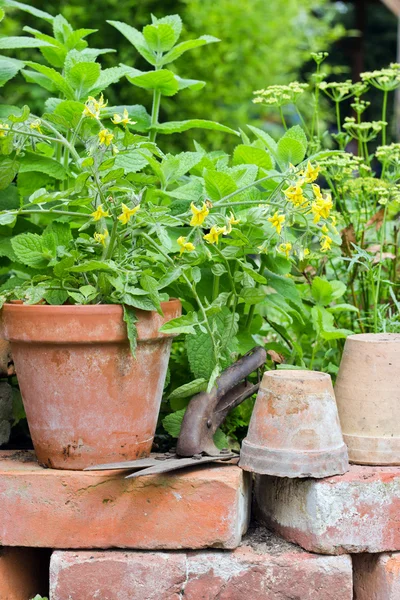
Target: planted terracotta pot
368,396
87,400
294,430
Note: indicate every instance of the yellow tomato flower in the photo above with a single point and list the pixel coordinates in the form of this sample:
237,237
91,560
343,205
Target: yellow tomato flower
101,237
124,120
295,194
277,221
311,173
127,213
3,129
317,191
231,221
105,137
199,214
322,207
326,243
184,245
36,124
285,248
213,236
93,107
99,213
306,252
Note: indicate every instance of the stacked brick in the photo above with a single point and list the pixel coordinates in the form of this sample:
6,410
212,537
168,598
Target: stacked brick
169,537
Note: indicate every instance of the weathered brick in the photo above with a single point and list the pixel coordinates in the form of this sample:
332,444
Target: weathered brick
351,513
24,572
41,507
257,570
377,576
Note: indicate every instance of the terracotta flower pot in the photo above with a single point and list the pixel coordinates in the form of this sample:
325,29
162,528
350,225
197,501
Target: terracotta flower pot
86,398
368,396
294,429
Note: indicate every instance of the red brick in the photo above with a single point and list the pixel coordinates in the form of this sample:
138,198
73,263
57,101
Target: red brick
377,576
24,572
256,570
351,513
74,509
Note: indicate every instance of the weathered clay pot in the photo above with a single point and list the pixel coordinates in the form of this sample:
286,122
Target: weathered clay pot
86,398
294,430
368,396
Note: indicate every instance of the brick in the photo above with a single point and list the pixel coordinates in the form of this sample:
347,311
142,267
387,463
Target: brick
377,576
257,570
75,509
351,513
24,572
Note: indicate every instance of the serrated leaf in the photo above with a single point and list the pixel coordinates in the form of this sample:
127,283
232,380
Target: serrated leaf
323,322
193,84
160,37
184,324
131,161
39,79
321,291
8,170
163,81
107,77
136,39
180,126
172,423
14,42
218,184
252,295
188,389
297,133
183,47
138,301
200,355
83,77
56,297
131,319
266,139
149,284
173,21
70,110
28,250
29,9
290,151
56,78
250,155
43,164
9,67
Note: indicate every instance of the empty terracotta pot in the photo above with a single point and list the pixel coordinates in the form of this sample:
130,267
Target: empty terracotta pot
294,430
368,396
87,400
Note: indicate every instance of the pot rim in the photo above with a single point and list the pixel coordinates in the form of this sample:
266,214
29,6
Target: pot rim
375,338
84,308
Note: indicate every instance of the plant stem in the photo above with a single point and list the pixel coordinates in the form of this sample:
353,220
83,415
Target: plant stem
113,235
154,115
282,117
384,110
339,127
51,211
378,285
247,187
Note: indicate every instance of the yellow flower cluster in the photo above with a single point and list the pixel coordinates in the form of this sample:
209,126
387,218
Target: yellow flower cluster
122,120
127,213
184,245
99,213
198,218
93,107
322,205
101,237
105,137
277,221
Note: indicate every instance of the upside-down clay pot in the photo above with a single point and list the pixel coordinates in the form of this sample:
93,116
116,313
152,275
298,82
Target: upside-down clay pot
87,400
368,396
294,430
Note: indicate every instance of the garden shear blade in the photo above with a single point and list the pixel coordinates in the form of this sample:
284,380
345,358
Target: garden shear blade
204,414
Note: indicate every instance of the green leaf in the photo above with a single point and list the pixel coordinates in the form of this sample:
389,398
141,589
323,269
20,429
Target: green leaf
39,79
180,126
218,184
136,113
149,284
252,295
43,164
172,423
185,46
160,37
321,291
184,324
189,389
107,77
173,21
297,133
82,77
9,67
14,42
20,116
323,322
56,297
131,161
8,170
29,9
163,81
7,218
92,265
285,287
338,289
131,319
290,151
136,39
29,250
142,302
343,307
266,139
250,155
55,77
193,84
220,439
70,110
